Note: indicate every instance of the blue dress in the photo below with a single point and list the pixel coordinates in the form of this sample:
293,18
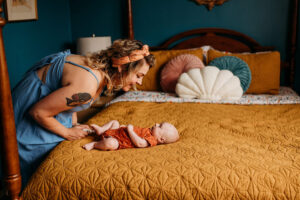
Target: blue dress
35,142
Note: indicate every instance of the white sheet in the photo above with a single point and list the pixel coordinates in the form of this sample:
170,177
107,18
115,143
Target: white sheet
286,96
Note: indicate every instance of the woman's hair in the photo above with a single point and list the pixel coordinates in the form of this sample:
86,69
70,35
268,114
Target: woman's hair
103,61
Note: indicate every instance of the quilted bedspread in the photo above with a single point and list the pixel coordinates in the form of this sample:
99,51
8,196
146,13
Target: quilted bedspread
224,152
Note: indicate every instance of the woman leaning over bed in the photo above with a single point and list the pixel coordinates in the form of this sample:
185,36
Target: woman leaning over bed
53,90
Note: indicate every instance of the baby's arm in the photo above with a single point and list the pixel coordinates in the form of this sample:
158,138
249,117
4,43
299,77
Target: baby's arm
104,144
114,124
137,141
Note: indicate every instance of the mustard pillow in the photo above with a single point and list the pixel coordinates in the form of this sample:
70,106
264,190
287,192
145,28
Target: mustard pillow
151,79
264,66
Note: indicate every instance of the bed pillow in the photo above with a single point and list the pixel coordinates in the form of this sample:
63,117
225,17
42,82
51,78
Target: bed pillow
264,66
209,83
152,78
237,66
176,66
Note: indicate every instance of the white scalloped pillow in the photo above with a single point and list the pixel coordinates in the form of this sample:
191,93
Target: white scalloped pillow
175,67
209,83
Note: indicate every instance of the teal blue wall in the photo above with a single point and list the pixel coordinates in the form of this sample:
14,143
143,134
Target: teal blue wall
266,21
154,21
26,42
99,17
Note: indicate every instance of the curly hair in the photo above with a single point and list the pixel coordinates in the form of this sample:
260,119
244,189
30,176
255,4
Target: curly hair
120,48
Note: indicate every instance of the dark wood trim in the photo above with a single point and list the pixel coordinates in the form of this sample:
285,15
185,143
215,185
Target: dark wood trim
130,20
292,38
221,39
9,147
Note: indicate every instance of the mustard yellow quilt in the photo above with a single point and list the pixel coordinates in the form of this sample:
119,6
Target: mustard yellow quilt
224,152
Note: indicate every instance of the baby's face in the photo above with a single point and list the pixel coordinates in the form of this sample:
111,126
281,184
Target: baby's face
165,133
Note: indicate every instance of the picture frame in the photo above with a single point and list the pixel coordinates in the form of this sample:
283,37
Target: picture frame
21,10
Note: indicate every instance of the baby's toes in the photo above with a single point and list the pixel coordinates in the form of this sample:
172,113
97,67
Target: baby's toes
97,128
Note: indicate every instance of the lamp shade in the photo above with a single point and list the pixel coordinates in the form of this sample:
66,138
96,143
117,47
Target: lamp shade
92,44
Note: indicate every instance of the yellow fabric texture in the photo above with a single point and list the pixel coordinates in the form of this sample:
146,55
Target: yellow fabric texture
151,82
224,152
265,70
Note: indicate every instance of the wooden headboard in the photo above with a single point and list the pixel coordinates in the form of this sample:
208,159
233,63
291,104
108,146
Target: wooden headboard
235,42
221,39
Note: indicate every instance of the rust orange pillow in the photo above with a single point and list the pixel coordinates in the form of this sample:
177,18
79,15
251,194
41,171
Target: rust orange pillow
151,81
264,66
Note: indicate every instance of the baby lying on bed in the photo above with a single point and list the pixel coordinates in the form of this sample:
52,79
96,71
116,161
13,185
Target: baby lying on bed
114,136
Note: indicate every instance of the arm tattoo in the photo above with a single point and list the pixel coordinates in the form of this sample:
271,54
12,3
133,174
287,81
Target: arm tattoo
78,99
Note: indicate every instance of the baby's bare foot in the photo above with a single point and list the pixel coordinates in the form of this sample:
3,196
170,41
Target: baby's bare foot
99,130
89,146
89,131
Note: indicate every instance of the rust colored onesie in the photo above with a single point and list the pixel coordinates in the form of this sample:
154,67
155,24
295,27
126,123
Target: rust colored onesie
122,135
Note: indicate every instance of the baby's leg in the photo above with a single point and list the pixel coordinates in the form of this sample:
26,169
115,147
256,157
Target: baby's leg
104,144
114,124
107,144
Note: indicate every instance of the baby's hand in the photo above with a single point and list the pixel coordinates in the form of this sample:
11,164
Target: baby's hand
130,127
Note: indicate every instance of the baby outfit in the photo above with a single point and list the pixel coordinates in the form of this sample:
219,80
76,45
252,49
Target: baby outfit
122,135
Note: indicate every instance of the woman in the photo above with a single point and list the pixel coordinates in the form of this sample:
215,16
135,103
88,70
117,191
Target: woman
47,99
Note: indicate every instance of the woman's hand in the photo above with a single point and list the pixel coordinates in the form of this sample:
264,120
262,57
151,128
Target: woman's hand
81,126
76,132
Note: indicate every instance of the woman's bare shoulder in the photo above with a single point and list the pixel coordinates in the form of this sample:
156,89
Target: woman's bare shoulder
80,77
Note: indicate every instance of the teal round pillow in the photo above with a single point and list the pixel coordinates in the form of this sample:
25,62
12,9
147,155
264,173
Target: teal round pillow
237,66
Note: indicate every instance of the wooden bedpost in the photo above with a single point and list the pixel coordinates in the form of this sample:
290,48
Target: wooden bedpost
130,20
292,41
9,147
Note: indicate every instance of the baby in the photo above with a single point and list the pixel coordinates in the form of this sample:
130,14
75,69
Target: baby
114,136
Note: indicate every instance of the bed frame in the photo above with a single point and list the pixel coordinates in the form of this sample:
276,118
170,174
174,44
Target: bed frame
221,39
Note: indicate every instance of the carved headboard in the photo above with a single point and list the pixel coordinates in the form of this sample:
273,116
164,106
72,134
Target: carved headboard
221,39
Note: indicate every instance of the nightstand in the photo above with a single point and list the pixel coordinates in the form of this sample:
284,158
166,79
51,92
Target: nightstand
96,107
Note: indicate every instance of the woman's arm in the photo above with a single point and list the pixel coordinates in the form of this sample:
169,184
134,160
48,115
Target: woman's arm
58,101
137,141
74,119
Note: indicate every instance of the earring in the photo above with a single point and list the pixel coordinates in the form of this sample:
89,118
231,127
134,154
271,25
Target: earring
120,69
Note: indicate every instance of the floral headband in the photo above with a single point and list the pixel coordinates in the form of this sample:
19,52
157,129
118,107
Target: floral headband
134,56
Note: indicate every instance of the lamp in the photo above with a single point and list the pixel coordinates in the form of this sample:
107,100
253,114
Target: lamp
92,44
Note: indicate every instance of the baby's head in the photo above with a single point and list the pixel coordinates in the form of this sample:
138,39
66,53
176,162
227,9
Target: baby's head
165,133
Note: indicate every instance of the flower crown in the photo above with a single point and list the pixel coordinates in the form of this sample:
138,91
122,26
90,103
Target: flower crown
134,56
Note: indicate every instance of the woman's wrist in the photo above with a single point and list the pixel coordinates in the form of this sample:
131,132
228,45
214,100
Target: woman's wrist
76,124
65,132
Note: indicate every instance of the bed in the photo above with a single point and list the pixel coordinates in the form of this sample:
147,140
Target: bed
246,149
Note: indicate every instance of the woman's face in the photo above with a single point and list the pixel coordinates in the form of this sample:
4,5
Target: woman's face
136,76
